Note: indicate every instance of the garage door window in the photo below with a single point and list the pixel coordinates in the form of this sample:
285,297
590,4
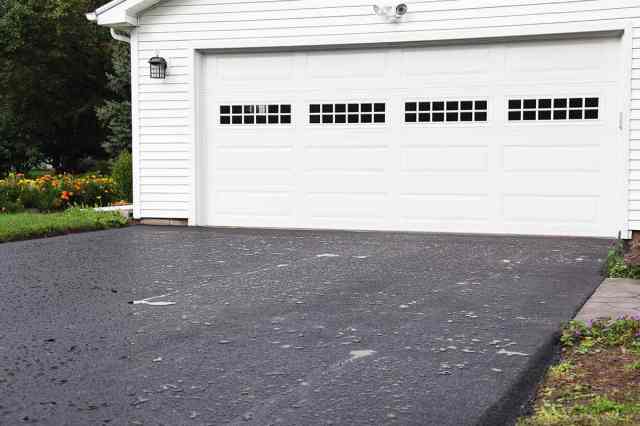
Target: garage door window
546,109
449,111
255,114
348,113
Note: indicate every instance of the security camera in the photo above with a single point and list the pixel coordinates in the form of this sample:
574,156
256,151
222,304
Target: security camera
401,9
391,14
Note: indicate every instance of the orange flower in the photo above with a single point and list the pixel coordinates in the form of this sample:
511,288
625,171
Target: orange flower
65,195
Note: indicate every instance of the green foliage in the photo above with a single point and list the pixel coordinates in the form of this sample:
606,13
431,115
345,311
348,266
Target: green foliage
47,193
634,366
562,369
53,66
115,114
122,175
602,405
600,412
23,226
616,267
603,333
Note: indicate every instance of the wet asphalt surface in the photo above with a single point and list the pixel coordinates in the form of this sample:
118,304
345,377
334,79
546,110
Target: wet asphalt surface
282,327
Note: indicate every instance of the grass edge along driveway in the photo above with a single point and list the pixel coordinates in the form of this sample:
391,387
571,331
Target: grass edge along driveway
595,383
24,226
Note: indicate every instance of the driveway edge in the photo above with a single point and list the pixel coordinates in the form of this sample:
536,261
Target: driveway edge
509,408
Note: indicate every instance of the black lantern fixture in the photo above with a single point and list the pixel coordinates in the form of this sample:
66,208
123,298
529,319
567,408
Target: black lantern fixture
158,67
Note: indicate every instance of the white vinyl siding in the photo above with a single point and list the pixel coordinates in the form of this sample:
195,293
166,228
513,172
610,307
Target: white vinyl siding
172,28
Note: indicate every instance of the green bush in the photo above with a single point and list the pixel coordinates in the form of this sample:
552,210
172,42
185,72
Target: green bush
616,267
122,175
623,331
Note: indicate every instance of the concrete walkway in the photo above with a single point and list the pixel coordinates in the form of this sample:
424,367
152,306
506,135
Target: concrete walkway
616,297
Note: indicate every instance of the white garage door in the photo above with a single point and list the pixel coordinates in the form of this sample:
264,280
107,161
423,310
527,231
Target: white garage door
502,138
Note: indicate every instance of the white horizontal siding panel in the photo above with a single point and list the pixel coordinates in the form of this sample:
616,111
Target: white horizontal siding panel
146,172
166,154
164,105
165,148
156,197
164,113
164,122
167,181
164,189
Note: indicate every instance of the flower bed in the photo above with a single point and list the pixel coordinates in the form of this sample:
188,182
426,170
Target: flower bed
51,193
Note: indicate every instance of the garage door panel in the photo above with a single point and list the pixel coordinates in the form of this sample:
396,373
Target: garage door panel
350,206
444,61
446,159
256,67
445,207
253,159
272,180
577,61
551,209
447,184
362,182
552,184
356,159
253,203
349,63
552,158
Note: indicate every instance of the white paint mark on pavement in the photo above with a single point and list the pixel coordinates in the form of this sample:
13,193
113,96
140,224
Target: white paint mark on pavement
510,353
360,354
149,302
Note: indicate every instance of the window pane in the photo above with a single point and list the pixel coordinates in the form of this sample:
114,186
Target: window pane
515,115
466,105
515,104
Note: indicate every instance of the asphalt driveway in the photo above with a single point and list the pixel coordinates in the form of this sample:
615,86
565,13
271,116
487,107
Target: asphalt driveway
277,327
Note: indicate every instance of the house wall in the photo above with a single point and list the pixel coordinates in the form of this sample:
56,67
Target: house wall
164,109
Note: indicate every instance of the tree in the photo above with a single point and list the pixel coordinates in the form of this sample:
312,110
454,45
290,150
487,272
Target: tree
115,113
53,66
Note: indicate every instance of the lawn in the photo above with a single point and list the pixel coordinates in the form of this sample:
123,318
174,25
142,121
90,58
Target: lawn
596,382
23,226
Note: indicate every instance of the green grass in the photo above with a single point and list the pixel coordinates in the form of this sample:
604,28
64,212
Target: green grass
24,226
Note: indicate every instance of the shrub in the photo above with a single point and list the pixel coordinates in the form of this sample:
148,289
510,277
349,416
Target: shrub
616,267
49,193
603,333
122,175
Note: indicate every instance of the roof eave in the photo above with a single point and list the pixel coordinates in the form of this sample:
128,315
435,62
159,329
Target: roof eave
120,13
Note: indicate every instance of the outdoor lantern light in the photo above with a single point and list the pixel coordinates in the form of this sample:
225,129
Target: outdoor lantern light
158,67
